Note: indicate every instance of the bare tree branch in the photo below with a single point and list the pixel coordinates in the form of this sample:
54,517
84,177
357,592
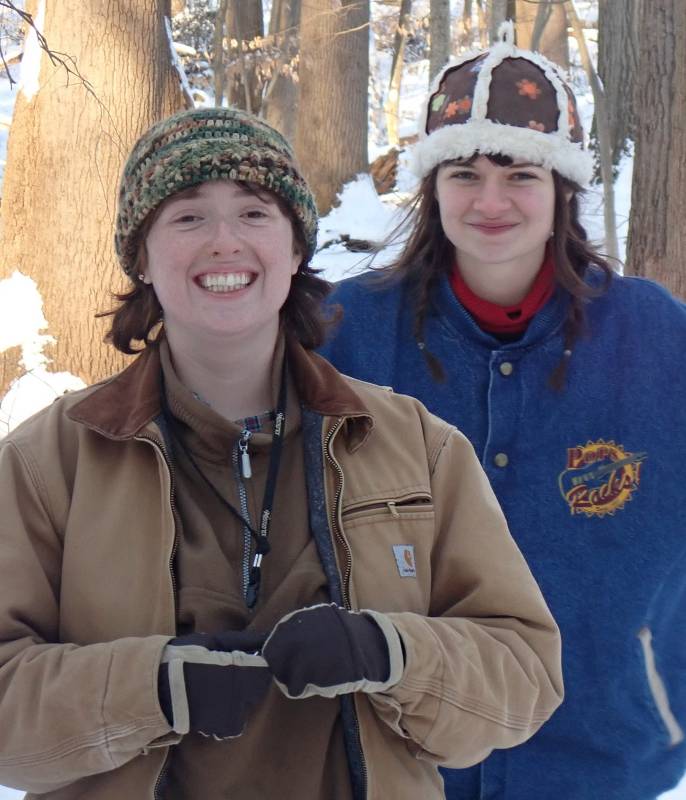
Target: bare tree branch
57,58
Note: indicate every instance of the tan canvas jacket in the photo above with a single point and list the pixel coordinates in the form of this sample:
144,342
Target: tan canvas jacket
87,598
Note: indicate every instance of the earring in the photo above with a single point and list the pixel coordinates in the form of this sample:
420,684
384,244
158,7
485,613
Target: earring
141,277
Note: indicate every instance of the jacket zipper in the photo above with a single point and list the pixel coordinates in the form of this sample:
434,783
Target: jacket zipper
348,567
172,503
416,502
241,471
337,510
161,777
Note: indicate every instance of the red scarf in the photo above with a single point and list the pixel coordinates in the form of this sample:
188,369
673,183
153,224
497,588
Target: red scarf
506,320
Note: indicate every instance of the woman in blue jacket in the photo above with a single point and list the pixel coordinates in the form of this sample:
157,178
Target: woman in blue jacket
569,380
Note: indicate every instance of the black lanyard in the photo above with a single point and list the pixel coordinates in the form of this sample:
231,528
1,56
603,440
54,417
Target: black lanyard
261,536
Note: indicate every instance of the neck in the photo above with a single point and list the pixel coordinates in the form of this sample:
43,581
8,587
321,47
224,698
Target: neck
235,378
505,283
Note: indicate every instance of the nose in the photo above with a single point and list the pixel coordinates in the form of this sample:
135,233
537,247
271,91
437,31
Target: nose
224,238
491,198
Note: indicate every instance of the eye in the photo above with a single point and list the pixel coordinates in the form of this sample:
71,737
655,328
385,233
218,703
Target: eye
186,219
255,213
465,175
523,175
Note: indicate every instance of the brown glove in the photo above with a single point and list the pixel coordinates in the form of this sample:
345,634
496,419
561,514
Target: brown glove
326,650
209,683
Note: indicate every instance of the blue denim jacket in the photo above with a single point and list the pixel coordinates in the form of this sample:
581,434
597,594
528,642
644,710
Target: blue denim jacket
590,479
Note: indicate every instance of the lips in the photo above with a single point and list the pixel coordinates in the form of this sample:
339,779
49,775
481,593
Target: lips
224,282
493,228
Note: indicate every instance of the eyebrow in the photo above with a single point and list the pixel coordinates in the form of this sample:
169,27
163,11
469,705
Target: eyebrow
184,194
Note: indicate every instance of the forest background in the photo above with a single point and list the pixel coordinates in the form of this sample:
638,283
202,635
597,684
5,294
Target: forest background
344,80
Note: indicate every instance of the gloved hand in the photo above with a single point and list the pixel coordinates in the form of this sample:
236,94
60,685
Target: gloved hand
326,650
209,682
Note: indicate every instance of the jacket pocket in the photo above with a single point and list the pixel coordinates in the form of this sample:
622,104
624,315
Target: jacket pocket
392,508
391,544
657,688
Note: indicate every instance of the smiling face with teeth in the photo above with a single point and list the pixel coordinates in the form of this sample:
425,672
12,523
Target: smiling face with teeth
221,259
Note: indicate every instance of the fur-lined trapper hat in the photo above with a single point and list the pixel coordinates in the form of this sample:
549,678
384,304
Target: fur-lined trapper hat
503,101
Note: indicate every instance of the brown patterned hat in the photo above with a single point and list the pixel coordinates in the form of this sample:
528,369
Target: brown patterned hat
205,144
503,101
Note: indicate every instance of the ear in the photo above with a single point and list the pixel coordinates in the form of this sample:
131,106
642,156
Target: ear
296,260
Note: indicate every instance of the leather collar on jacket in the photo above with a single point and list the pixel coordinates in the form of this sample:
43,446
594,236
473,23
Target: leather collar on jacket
119,407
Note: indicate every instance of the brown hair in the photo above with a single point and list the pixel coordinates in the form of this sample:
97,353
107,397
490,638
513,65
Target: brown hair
428,254
138,316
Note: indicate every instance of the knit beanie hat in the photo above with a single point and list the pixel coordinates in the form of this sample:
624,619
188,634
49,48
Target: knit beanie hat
191,147
503,101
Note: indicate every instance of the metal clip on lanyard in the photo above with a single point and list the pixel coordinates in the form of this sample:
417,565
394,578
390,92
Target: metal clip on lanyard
262,546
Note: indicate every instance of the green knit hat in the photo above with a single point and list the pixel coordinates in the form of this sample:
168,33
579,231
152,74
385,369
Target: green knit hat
191,147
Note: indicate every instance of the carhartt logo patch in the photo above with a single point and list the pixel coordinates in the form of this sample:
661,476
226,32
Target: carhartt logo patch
404,558
600,478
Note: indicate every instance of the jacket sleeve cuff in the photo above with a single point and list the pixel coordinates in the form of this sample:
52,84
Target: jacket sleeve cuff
396,657
177,691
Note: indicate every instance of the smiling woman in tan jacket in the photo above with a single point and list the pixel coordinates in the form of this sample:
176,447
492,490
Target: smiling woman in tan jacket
230,571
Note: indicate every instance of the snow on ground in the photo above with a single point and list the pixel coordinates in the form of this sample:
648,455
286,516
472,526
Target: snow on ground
21,323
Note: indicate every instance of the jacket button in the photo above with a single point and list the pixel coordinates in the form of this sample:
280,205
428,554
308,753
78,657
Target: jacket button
501,459
506,368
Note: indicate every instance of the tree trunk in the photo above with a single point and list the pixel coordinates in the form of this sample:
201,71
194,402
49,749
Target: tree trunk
280,105
245,26
482,17
392,104
657,238
439,32
331,138
218,67
497,15
499,11
603,128
464,27
617,64
552,37
65,153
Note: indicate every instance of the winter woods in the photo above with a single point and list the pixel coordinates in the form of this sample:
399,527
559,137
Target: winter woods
342,79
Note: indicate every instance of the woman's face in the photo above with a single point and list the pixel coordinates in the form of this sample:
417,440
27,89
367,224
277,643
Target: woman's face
221,260
496,215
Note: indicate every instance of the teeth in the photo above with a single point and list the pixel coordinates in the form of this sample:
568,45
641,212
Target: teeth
224,282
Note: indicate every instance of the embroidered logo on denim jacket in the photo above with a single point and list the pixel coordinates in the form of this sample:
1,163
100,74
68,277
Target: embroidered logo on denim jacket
600,478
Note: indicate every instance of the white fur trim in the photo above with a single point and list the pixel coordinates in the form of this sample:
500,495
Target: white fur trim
549,150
